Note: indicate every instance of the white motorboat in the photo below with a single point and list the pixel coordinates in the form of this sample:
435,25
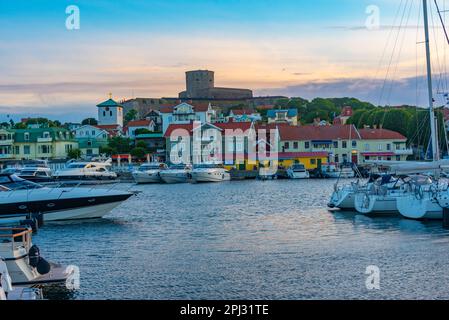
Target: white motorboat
331,171
36,173
149,173
343,196
23,261
298,171
86,171
176,174
210,172
20,198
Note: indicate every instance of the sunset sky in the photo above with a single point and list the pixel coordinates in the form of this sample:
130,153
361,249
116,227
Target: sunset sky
143,48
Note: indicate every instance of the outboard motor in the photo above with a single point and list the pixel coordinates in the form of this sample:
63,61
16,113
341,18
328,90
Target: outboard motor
36,261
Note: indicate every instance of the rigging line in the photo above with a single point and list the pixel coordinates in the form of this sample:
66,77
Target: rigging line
438,60
399,54
392,55
442,22
390,33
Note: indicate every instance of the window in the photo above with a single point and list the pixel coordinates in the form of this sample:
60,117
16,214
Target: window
27,136
110,113
89,143
354,144
287,145
344,144
17,150
295,145
307,144
337,158
104,113
26,150
239,147
46,135
335,144
366,158
388,146
312,161
398,158
379,147
93,132
389,158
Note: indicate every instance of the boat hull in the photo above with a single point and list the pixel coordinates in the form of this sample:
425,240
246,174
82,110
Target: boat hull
147,178
375,204
172,178
412,208
200,177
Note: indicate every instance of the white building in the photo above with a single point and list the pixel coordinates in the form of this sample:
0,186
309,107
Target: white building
185,113
133,126
110,113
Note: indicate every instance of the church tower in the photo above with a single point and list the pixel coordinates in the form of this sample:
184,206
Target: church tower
110,113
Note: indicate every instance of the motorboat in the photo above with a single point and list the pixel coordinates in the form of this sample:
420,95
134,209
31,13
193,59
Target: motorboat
39,173
210,172
86,171
20,198
176,174
298,171
10,292
331,171
23,260
149,173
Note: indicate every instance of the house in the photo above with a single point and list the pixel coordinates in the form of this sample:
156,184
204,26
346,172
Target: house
156,117
244,116
289,116
43,143
6,144
90,140
382,144
110,113
142,125
345,143
343,118
113,130
155,144
185,113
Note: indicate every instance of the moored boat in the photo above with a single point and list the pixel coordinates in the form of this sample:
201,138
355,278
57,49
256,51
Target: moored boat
149,173
176,174
210,172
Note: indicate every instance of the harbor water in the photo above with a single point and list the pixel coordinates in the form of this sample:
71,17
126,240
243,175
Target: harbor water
246,240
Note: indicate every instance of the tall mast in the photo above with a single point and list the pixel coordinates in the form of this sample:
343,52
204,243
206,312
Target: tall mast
433,137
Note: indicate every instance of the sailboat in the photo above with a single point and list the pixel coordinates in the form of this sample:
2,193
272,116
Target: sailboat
426,203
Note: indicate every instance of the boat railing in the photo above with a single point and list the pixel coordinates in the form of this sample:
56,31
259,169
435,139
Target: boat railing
17,237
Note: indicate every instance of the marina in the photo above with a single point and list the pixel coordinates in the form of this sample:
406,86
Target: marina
282,244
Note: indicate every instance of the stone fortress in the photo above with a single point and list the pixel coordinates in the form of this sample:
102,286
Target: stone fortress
200,84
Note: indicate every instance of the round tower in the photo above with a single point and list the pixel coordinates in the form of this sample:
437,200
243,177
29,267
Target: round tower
199,80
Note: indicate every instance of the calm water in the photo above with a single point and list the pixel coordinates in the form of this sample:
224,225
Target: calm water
247,240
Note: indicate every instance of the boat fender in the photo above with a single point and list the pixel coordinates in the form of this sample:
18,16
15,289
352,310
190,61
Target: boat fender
43,267
34,255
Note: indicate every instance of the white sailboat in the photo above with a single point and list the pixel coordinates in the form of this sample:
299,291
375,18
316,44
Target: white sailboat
426,203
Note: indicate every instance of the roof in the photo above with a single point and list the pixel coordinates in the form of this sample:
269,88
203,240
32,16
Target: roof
378,134
139,123
109,103
197,107
242,112
108,126
290,112
35,133
311,132
223,126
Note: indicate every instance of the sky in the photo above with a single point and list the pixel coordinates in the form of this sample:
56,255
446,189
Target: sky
142,48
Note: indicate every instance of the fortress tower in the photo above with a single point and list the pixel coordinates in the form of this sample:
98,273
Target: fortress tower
198,81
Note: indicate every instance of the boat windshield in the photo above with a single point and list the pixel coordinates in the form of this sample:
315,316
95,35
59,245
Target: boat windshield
27,173
177,167
76,166
207,166
13,182
146,167
298,167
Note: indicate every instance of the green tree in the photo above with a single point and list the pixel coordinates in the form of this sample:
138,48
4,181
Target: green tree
131,115
120,145
142,144
74,154
89,121
107,150
138,153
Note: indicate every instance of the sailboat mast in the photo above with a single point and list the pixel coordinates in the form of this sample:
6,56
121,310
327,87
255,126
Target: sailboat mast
433,137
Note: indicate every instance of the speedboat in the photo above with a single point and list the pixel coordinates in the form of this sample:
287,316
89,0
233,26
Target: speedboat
23,260
210,172
86,171
20,198
149,173
331,171
298,171
176,174
36,173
